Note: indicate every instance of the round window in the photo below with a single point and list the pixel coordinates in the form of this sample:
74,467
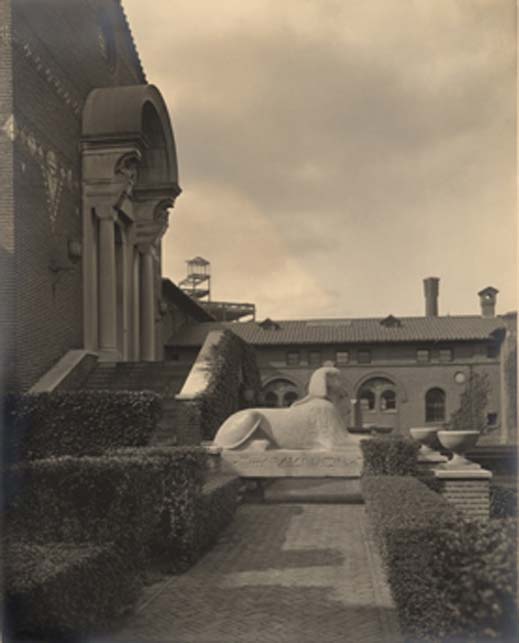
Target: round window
459,378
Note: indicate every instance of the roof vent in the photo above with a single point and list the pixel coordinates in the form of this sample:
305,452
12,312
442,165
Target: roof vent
268,324
391,322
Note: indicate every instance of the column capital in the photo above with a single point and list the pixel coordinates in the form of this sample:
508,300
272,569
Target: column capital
105,212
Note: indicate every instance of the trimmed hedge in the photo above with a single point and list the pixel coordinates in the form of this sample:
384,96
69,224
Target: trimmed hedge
476,564
181,473
59,590
77,422
215,509
448,577
96,500
390,456
503,501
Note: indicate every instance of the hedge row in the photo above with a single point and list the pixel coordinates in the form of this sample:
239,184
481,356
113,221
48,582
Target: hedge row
96,500
181,472
503,501
450,579
215,510
390,456
59,590
77,422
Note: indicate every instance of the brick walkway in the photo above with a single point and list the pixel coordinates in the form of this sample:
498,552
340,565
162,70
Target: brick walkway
282,574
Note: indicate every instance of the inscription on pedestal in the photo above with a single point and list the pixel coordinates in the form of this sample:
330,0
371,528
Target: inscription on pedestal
287,463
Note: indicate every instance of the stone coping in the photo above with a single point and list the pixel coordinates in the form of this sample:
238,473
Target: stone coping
468,473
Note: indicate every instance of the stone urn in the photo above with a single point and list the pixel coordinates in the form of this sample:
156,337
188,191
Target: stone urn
459,442
427,437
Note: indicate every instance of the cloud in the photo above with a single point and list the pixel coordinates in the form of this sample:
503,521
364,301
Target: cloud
369,142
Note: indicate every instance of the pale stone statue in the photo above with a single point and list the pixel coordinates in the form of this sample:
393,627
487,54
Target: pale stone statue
311,423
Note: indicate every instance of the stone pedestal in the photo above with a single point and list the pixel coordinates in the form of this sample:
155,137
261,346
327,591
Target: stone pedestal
428,462
468,489
287,463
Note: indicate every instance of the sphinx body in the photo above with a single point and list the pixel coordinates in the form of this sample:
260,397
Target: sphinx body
311,423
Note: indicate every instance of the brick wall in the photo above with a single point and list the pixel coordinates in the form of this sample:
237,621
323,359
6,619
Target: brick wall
471,497
7,286
61,50
397,363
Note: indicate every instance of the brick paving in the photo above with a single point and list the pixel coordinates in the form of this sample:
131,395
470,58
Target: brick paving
293,573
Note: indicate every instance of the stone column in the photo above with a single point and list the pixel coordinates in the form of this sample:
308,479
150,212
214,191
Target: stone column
147,282
90,278
107,285
136,306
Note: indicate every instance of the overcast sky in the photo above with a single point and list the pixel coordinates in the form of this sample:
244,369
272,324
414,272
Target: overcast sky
332,153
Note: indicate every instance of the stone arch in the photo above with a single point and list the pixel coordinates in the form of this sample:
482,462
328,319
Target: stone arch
280,391
138,114
402,393
129,182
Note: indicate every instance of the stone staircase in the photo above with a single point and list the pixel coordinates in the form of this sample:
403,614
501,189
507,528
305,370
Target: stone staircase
164,378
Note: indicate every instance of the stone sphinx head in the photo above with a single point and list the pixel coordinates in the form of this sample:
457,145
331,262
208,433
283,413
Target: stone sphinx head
325,383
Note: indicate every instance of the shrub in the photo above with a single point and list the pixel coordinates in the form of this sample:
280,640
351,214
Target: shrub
95,500
390,456
215,509
181,473
57,590
77,422
448,577
478,579
503,501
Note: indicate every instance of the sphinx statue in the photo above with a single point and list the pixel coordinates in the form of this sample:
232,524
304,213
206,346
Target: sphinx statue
313,422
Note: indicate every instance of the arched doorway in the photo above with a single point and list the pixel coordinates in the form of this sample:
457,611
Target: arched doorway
379,402
280,393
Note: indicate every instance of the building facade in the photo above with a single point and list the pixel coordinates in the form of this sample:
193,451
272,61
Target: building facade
88,175
405,372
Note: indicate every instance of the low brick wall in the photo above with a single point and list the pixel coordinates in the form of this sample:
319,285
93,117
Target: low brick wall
468,491
224,379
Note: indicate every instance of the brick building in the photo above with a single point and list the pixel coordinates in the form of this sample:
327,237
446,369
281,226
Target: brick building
407,371
88,173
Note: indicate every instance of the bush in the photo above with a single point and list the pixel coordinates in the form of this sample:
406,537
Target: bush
390,456
181,472
57,590
96,500
448,577
216,509
503,501
77,423
478,579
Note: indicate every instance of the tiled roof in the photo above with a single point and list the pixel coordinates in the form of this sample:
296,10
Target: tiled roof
347,331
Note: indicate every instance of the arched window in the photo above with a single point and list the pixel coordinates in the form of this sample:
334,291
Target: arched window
271,399
289,398
388,400
435,405
367,400
280,392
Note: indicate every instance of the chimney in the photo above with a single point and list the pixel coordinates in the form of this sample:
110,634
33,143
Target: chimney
487,300
431,287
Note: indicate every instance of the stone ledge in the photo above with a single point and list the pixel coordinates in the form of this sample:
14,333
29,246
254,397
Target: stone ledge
286,463
463,474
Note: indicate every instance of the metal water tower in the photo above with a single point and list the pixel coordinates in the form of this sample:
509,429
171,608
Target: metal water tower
197,283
